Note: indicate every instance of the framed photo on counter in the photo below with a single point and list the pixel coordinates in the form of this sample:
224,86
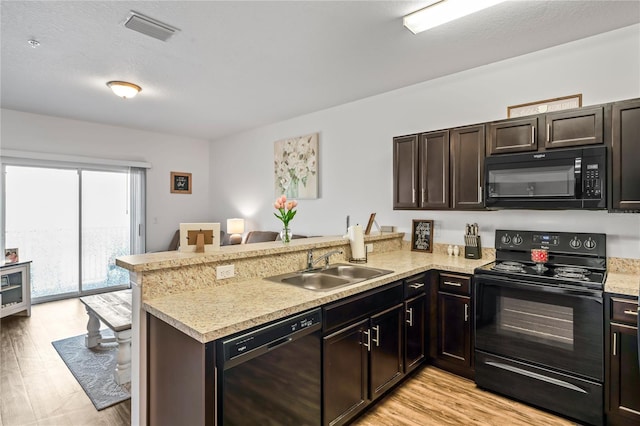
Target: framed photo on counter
372,219
422,235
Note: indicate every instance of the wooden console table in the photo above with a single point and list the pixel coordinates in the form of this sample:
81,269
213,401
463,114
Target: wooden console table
114,310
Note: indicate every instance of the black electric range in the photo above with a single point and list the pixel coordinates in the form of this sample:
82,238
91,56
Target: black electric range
574,259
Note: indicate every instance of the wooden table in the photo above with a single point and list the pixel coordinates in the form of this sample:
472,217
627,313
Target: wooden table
114,310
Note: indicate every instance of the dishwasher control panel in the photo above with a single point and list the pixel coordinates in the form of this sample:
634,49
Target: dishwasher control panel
271,335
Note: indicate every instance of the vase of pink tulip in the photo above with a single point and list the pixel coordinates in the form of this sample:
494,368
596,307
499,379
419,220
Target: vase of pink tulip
287,213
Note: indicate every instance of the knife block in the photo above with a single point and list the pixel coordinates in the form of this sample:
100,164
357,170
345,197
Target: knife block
473,250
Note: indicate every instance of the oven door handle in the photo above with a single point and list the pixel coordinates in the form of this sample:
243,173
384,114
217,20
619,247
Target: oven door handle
536,376
595,295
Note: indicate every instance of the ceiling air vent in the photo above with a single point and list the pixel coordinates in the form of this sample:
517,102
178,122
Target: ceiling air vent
148,26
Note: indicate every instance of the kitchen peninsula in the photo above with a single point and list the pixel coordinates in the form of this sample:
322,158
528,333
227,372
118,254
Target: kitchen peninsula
181,290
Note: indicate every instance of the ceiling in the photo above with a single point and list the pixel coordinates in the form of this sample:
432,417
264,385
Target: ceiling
237,65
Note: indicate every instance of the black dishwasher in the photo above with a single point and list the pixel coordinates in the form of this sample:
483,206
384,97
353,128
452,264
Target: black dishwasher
272,375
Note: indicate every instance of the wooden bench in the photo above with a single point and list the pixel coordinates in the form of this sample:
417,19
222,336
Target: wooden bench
114,310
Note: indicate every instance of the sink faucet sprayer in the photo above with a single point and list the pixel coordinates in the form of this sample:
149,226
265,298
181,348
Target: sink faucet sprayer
311,261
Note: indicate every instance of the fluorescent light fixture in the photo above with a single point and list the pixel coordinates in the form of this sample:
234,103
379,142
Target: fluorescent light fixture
441,12
123,89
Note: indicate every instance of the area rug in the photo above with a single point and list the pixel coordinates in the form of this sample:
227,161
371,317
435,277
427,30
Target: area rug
93,369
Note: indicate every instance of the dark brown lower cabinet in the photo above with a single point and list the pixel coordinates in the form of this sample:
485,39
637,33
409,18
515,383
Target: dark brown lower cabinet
454,351
180,377
346,378
623,372
361,362
386,350
454,344
414,332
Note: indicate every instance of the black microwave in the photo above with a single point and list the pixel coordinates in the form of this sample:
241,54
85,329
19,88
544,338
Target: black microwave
563,179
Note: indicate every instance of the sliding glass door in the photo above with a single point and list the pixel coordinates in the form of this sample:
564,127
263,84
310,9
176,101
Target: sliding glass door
41,221
72,224
105,228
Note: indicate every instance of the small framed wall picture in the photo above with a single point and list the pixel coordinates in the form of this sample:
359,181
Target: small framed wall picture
422,235
181,183
11,255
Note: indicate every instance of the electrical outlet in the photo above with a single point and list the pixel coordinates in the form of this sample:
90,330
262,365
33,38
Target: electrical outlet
225,271
369,247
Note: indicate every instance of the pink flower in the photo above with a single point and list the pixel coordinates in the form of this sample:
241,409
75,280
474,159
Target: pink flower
286,209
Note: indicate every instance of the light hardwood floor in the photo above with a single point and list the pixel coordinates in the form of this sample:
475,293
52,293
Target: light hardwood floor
36,387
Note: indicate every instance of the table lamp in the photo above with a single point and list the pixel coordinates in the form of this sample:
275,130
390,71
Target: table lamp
235,227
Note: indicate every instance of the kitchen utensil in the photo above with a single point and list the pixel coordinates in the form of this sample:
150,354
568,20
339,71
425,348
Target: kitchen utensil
473,249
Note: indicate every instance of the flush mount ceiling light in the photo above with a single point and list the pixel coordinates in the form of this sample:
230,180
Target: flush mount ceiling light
123,89
441,12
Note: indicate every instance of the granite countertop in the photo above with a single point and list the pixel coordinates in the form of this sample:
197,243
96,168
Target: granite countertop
215,312
623,283
171,259
210,314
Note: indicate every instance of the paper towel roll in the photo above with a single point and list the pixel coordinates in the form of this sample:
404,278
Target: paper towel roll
356,239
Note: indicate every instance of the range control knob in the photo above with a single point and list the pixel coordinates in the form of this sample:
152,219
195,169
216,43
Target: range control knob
506,239
589,244
517,240
575,243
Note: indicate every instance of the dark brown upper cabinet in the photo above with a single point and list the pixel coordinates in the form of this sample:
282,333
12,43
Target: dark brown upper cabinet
433,151
574,127
405,172
421,171
514,135
625,152
467,162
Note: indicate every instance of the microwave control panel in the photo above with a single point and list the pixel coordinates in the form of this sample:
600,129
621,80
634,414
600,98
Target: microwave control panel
592,181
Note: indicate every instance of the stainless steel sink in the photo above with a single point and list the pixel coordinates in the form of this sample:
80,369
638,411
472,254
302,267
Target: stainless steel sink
329,278
354,271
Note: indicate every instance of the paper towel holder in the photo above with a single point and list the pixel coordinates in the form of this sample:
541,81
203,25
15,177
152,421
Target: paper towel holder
361,260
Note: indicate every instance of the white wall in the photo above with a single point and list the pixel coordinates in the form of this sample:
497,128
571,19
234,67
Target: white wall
356,150
166,153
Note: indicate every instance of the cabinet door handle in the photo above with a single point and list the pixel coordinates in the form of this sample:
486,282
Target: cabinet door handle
422,195
416,286
548,132
615,343
630,312
413,195
453,283
377,339
533,135
466,312
368,344
410,320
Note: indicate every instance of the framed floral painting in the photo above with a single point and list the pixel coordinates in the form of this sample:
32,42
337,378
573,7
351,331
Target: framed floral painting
296,167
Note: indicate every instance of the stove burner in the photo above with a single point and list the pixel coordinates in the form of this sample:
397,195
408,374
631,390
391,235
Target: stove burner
572,273
509,267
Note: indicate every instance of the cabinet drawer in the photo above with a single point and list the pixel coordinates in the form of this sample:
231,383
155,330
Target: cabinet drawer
415,285
458,284
624,310
357,307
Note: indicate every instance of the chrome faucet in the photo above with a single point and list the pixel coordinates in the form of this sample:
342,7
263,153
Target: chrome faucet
311,261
